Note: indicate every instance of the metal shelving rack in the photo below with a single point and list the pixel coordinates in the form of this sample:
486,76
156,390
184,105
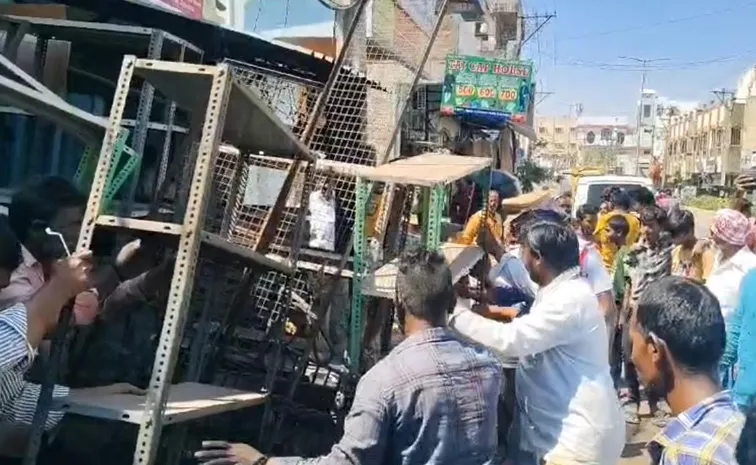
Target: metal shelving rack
431,173
154,43
222,109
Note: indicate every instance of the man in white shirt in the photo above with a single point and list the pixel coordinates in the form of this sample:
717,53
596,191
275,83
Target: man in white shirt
732,260
567,409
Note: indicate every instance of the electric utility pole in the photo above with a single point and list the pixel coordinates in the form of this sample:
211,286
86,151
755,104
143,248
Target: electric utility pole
541,22
543,95
644,63
726,98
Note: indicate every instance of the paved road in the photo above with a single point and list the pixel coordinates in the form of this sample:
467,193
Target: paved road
637,438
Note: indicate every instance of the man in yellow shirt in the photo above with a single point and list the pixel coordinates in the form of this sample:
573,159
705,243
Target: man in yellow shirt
619,205
689,259
469,235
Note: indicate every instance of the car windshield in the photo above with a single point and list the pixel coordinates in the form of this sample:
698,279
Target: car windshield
595,191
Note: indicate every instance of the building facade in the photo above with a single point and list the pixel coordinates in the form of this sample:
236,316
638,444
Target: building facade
706,143
557,137
608,142
605,141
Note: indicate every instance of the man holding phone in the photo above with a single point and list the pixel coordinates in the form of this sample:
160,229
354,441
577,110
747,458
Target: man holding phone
23,327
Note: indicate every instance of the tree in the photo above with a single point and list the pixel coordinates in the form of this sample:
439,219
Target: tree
530,173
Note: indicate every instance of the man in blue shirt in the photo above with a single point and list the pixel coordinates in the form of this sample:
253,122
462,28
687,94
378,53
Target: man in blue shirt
740,351
432,400
678,337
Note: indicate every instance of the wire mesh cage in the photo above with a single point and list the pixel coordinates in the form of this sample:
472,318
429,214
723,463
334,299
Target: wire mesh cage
390,45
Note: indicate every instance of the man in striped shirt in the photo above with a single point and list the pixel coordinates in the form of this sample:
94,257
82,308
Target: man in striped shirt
23,327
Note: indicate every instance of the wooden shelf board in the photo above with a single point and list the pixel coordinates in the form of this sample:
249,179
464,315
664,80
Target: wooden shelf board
186,401
461,258
221,245
429,169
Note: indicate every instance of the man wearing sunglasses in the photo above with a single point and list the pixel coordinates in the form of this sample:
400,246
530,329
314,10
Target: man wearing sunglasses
678,335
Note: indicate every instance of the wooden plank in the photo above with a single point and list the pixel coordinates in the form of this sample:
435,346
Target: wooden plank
186,401
140,225
427,170
461,258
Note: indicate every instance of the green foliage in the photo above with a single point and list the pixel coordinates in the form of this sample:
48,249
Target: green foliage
708,202
530,174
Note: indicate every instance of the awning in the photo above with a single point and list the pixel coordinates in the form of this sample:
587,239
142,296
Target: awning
523,130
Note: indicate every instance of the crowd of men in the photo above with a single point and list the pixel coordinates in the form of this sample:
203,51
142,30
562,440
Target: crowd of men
591,308
596,311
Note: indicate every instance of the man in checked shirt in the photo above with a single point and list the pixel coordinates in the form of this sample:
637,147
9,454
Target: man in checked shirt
647,262
678,334
432,400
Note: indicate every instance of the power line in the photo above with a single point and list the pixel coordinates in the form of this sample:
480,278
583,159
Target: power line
661,23
665,66
639,127
544,20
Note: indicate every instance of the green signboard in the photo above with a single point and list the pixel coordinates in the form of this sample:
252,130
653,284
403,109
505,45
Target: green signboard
487,88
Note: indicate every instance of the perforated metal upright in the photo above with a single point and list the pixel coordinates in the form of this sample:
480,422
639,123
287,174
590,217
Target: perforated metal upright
205,92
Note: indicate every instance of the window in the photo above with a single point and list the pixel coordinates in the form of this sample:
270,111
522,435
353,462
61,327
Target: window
646,111
590,137
620,138
735,136
593,196
542,130
606,134
559,130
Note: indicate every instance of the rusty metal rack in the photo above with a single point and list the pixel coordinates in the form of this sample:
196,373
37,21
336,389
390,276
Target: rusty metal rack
221,109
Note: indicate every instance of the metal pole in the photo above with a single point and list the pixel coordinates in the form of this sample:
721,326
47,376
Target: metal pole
639,127
643,62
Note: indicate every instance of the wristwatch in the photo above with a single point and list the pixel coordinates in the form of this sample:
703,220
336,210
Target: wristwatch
262,460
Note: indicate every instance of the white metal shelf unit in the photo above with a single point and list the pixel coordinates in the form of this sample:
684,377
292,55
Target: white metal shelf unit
211,95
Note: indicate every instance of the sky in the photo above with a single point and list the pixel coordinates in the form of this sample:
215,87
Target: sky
701,44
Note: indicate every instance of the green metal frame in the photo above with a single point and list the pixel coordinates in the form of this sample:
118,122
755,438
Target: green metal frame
117,177
433,206
354,350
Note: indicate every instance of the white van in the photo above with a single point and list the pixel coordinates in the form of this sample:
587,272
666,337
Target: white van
590,188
